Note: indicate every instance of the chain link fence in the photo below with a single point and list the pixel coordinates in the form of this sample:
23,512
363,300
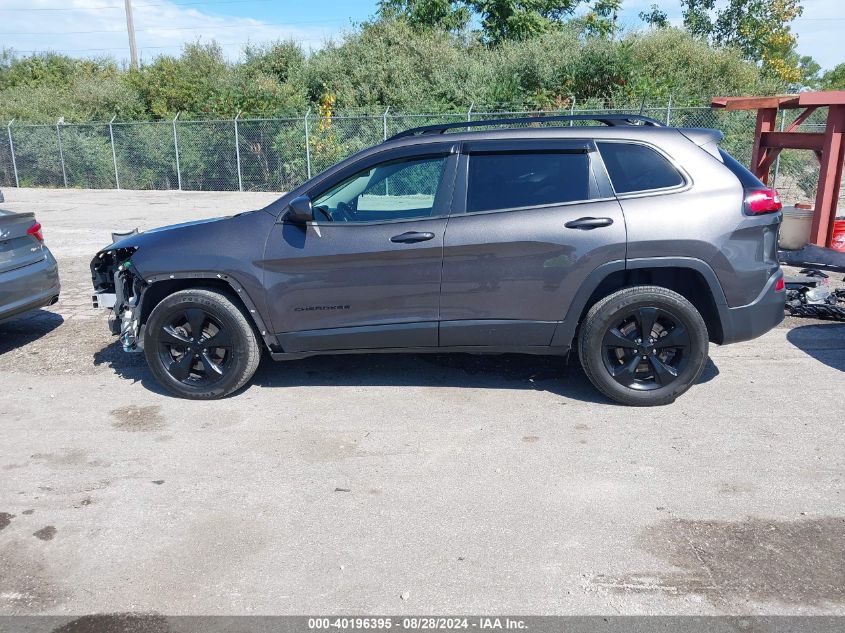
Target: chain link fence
796,172
278,154
144,156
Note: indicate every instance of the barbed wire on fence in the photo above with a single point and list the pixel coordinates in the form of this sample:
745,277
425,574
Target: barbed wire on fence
277,154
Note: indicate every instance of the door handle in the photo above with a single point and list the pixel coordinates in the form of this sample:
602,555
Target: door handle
588,224
412,236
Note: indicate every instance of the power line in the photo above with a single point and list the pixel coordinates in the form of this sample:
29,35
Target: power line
117,48
117,6
182,28
798,19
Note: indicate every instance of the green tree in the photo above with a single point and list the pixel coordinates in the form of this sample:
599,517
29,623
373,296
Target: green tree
202,83
697,19
601,20
188,83
520,19
50,69
445,15
671,61
389,62
283,60
501,20
47,86
759,29
810,72
655,16
383,62
834,79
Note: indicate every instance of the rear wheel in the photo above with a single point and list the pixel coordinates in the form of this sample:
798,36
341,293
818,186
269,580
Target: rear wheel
199,345
643,346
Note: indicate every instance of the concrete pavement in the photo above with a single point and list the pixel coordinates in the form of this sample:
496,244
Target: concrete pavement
404,484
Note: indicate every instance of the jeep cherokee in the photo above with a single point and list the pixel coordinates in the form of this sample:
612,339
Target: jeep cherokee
633,243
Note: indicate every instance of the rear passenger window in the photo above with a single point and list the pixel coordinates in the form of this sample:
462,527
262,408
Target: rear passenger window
633,167
506,181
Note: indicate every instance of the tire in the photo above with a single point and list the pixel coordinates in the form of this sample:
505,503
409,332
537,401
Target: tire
202,371
643,370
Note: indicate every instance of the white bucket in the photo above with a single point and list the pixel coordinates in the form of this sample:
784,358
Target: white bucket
795,230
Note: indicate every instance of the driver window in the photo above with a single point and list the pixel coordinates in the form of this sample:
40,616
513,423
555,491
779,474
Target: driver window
395,190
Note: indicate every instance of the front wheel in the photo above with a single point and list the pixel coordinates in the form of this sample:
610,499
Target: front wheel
643,346
199,345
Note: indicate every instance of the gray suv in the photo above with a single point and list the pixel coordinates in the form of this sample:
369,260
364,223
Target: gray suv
633,243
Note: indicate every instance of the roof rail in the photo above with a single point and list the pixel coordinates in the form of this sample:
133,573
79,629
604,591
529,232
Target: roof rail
608,119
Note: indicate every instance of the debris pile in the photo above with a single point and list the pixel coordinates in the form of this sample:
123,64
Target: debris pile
809,295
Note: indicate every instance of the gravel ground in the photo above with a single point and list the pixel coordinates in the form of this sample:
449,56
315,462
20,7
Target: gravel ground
396,484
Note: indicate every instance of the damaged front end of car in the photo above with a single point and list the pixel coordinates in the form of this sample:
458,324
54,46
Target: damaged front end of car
118,286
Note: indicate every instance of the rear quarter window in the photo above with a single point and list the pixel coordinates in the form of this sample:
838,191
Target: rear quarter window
633,167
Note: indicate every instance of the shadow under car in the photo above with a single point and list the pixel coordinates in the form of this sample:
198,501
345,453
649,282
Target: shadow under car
26,328
476,371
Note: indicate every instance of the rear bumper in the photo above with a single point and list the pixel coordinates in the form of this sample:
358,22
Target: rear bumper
756,318
29,288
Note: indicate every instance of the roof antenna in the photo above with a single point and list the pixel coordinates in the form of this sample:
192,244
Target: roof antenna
642,106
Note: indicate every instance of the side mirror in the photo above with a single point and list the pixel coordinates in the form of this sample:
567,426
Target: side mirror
301,210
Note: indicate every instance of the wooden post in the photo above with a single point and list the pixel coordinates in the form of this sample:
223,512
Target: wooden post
830,177
766,119
829,147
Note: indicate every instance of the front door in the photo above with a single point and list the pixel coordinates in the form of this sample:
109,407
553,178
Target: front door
532,218
366,272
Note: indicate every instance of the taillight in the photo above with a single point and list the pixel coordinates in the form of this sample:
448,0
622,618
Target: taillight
780,284
35,231
764,200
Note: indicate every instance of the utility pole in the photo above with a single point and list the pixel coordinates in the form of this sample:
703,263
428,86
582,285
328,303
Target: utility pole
130,27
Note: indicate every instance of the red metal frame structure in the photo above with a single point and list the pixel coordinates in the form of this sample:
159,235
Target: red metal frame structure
829,146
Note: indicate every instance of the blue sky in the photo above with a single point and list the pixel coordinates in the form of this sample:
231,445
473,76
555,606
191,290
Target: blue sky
304,11
97,27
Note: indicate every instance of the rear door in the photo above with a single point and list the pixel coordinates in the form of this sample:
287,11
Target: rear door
532,218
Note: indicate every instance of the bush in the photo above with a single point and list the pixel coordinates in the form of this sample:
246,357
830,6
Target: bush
385,62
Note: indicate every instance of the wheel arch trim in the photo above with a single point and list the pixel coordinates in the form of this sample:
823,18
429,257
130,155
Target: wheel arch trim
238,290
565,331
693,263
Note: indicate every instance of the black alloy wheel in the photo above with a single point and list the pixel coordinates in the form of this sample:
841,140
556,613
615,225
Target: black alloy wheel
646,348
643,345
195,347
200,344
